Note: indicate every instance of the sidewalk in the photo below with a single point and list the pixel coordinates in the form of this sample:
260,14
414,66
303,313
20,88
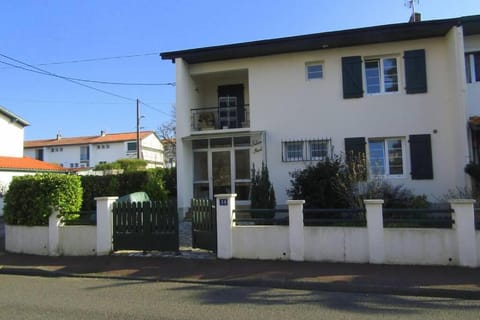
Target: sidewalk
452,282
202,267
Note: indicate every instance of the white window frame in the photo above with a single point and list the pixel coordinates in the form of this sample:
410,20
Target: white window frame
386,162
129,150
381,60
315,75
472,73
305,146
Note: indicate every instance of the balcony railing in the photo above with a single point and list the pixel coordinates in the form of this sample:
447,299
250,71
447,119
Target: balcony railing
220,118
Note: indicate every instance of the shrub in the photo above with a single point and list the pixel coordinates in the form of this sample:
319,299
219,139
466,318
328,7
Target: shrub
30,199
394,196
127,165
317,184
262,194
151,181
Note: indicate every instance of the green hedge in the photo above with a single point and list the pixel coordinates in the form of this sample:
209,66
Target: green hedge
30,199
159,184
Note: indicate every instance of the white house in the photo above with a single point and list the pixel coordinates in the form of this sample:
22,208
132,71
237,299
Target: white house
397,92
12,161
87,152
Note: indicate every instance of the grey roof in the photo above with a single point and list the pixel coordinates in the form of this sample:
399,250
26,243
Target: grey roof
328,40
13,117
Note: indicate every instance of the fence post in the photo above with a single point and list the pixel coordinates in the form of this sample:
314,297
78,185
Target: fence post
104,224
464,217
225,204
376,246
54,223
295,230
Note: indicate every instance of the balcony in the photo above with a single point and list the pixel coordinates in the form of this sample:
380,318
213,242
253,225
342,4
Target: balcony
223,118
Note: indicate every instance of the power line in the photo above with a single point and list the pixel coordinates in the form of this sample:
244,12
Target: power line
99,59
91,81
72,81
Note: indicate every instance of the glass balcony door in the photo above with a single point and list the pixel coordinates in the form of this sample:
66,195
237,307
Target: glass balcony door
221,172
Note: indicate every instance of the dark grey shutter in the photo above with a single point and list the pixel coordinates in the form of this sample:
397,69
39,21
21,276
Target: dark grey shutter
354,148
421,157
415,71
352,77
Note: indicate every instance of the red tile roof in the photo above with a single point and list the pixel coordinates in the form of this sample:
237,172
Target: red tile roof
106,138
27,164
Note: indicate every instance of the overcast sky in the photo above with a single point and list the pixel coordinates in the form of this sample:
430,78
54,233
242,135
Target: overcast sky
120,41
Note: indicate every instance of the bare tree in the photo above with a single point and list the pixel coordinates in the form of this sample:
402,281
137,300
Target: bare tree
167,131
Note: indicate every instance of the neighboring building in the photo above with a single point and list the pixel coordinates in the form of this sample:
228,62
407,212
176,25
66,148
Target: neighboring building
87,152
12,162
397,92
11,127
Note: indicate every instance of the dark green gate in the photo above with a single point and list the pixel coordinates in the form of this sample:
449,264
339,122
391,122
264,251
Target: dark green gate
204,224
147,226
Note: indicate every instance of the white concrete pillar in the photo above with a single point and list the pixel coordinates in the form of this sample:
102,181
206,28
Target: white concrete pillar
104,225
376,245
464,226
225,204
295,230
54,223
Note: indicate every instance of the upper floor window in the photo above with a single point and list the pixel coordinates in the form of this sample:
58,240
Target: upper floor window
132,146
314,71
381,75
472,66
386,156
84,153
305,150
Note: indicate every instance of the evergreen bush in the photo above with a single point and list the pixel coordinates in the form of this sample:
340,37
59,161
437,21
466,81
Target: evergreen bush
30,199
262,194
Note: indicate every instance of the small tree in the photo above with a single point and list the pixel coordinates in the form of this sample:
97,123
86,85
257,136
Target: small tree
262,194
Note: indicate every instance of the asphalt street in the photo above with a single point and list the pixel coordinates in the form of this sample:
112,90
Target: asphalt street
78,298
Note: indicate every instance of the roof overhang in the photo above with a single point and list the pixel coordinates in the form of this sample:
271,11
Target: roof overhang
13,117
327,40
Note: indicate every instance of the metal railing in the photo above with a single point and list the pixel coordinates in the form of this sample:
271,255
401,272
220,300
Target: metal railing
261,217
417,218
348,217
220,118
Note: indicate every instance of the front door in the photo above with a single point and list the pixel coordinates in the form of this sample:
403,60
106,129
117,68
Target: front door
231,109
221,172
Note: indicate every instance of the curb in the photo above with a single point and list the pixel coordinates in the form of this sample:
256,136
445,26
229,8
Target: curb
262,283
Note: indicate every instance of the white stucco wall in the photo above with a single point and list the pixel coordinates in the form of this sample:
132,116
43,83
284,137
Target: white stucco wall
261,242
27,240
336,244
11,143
421,246
78,240
287,106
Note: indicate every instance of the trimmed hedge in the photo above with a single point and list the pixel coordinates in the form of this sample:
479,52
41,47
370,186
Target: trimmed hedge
157,183
30,199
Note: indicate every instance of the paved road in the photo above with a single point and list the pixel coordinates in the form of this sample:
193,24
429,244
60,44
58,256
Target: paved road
78,298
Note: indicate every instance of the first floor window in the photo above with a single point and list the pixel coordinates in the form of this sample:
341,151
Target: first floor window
381,75
472,66
305,150
386,156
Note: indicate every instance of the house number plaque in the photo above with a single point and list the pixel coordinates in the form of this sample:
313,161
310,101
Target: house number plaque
223,202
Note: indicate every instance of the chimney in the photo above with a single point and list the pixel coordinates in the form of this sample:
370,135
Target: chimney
59,136
415,17
102,133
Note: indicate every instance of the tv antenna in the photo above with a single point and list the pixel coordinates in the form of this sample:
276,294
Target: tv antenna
411,5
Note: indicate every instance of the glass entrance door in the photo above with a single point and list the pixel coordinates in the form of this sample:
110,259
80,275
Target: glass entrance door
221,172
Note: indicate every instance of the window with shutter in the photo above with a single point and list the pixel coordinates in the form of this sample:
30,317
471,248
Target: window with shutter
354,148
421,157
352,77
415,71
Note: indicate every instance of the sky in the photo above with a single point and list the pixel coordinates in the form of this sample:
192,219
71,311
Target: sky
120,42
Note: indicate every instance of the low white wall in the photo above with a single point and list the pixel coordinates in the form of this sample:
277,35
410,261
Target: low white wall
477,233
78,240
421,246
260,242
28,240
336,244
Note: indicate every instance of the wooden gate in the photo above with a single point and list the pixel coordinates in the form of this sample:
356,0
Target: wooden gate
147,226
204,224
